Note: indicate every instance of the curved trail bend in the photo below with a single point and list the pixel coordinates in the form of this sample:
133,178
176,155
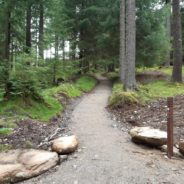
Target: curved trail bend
106,155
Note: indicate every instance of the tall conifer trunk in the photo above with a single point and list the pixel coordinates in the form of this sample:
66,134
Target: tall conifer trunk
177,42
127,44
7,34
122,41
28,29
41,31
168,27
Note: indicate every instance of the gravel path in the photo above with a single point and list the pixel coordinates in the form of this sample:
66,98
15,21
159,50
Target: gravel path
106,155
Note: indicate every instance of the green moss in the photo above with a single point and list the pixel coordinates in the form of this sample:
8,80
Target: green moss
120,97
50,106
145,93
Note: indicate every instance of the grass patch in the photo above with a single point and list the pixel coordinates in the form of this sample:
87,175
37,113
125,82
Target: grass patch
86,83
165,70
8,122
1,94
35,110
5,147
5,131
163,89
146,93
44,111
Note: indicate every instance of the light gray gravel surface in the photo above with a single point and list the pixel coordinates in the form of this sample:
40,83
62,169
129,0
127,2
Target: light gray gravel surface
106,154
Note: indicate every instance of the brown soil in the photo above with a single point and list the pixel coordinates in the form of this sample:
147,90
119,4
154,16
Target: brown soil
149,76
153,114
31,133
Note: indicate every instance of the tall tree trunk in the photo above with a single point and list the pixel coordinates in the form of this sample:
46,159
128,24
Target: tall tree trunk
177,42
7,34
28,29
56,46
122,41
41,31
168,27
130,82
6,55
63,48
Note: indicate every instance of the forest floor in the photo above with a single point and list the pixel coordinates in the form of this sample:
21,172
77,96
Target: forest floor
106,154
31,133
153,114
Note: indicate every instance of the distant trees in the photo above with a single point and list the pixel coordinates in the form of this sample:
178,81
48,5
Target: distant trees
88,31
152,41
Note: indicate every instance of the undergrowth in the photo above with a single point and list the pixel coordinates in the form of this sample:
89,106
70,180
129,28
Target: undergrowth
50,107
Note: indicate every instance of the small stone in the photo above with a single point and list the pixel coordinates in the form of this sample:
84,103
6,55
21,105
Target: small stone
75,182
174,169
75,166
79,150
114,126
165,156
157,173
153,166
123,129
65,145
63,158
177,146
96,156
75,156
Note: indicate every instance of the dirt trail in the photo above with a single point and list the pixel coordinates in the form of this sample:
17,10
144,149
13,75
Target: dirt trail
106,155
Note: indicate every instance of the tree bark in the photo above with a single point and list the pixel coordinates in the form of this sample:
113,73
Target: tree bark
130,45
63,48
122,41
41,31
28,29
56,46
177,42
168,27
7,34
